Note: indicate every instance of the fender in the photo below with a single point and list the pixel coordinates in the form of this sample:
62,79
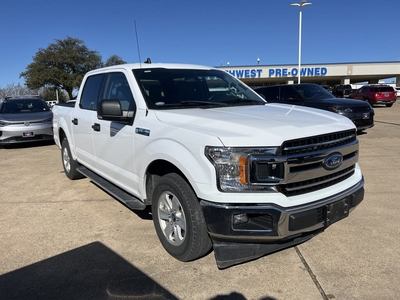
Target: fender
195,166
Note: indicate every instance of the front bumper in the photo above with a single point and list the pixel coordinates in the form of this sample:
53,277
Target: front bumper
270,227
22,134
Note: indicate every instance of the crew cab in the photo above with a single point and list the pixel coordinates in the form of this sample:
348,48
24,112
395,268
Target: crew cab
218,168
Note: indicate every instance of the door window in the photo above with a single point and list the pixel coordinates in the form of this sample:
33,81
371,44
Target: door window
117,87
91,92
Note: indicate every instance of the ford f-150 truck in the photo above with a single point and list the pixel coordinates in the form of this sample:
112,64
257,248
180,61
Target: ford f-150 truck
218,167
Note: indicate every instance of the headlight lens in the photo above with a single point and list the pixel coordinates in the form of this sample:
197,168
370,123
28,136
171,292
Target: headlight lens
246,169
341,109
48,120
4,123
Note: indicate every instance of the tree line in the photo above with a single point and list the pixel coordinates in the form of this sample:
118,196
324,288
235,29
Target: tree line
59,68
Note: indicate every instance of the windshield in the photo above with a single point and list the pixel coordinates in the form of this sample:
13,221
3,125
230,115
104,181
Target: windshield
312,92
185,88
17,106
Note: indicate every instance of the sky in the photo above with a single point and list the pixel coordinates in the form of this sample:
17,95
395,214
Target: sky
208,32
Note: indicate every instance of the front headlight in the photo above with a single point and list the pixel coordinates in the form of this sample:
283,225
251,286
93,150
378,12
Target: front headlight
246,169
341,109
48,120
4,123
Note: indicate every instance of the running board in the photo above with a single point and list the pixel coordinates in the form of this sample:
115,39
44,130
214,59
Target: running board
122,196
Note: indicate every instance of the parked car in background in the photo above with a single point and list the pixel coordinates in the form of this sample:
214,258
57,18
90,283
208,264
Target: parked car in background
376,94
51,103
25,120
397,88
313,95
342,90
327,87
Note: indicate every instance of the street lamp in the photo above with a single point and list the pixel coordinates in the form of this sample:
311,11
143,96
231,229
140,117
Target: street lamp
301,4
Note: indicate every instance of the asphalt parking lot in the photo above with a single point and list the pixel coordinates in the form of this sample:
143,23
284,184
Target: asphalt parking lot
63,239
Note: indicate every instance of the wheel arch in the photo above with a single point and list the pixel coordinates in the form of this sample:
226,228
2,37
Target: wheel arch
157,169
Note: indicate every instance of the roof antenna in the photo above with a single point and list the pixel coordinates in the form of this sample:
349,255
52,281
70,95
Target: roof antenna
137,43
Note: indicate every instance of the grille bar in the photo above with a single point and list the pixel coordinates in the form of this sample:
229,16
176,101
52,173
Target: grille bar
315,143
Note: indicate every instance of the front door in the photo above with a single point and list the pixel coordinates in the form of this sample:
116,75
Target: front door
113,141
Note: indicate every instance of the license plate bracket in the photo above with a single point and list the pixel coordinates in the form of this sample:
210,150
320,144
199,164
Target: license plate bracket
337,211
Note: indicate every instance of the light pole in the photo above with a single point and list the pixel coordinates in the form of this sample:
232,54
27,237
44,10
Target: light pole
300,5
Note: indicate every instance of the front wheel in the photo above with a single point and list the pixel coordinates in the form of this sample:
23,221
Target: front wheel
389,105
69,164
178,219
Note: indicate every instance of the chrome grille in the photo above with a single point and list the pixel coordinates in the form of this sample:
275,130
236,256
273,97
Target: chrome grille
305,158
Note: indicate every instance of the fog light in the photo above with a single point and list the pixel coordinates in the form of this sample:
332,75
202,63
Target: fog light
240,219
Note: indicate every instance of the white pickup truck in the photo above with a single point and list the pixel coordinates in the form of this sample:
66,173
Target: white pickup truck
219,167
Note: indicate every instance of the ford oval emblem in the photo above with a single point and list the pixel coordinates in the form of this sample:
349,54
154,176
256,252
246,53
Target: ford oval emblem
333,161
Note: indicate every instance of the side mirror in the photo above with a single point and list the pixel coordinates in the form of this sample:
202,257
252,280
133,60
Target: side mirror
110,110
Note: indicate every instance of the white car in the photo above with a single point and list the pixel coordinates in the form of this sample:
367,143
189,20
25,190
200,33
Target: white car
397,88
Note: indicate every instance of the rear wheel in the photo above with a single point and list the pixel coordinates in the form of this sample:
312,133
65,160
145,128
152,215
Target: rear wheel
389,105
69,164
178,219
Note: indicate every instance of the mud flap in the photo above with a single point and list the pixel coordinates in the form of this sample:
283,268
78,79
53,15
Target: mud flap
228,254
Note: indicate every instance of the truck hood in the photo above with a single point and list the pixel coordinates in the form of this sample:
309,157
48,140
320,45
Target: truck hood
267,125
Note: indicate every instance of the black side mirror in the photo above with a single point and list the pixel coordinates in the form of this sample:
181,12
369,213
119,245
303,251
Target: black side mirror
110,110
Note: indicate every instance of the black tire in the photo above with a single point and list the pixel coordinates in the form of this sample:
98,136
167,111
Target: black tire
69,164
389,105
178,219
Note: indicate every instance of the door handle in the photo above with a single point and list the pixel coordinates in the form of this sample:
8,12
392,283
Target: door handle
75,121
96,127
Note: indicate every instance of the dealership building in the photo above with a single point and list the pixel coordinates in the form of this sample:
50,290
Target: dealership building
327,74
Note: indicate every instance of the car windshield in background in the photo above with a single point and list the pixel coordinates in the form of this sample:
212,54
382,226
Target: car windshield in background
18,106
176,88
312,92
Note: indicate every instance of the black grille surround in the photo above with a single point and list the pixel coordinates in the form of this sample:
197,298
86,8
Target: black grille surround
304,162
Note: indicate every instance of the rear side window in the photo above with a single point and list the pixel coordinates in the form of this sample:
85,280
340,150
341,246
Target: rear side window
288,94
271,93
91,92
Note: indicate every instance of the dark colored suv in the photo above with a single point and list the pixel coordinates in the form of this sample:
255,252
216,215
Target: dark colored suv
342,90
376,94
313,95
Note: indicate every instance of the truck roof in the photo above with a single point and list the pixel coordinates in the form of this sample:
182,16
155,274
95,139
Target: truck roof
153,65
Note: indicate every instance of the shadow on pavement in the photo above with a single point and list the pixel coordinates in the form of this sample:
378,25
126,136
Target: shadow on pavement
89,272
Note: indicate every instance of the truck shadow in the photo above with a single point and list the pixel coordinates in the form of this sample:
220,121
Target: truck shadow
89,272
92,271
